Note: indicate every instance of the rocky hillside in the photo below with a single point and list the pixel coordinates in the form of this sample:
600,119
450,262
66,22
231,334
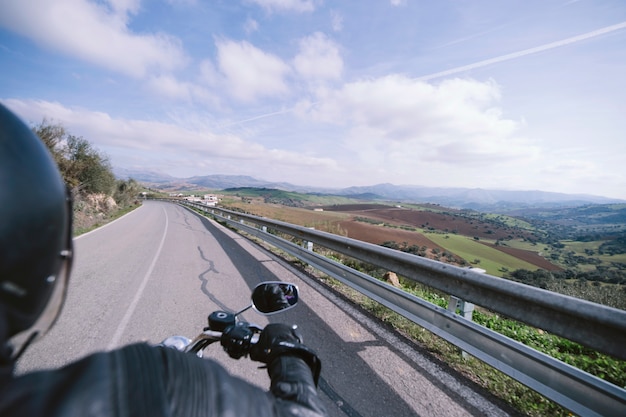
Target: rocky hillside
92,210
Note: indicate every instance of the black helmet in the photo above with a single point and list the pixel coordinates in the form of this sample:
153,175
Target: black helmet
35,235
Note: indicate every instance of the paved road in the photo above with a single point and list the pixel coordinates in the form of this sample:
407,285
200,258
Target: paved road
161,269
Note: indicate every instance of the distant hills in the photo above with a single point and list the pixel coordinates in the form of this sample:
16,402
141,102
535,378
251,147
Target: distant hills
478,198
469,198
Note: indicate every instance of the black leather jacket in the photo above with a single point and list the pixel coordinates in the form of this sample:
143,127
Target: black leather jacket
142,380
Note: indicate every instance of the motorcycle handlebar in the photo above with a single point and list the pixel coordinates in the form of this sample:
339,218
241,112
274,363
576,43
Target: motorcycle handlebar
237,344
237,337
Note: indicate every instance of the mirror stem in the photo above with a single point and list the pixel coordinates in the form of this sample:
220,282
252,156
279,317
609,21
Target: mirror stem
245,309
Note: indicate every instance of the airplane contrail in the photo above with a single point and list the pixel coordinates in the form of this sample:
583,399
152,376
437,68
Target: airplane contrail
525,52
258,117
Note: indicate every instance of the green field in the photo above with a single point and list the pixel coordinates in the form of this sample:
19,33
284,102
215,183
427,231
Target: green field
495,262
621,258
509,221
580,247
287,197
542,248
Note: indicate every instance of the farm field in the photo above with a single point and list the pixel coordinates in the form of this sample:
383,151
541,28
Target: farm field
468,238
533,253
321,220
451,221
510,221
577,246
498,243
591,249
581,247
494,261
379,234
436,230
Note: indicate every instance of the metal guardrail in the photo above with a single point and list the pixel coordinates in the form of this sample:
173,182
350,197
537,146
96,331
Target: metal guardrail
598,327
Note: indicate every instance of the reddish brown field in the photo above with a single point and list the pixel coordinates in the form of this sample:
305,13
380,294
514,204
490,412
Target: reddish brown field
528,256
379,234
452,223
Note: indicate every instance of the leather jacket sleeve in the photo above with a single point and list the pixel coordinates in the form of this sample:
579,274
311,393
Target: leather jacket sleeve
141,380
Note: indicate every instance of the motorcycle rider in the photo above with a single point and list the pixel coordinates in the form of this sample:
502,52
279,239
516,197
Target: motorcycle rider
273,298
136,380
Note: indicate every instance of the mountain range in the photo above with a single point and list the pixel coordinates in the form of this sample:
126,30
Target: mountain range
469,198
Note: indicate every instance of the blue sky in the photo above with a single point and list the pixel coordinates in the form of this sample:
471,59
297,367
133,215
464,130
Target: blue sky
500,94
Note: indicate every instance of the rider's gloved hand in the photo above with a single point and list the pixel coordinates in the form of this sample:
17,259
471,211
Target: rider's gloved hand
270,338
236,340
293,368
279,340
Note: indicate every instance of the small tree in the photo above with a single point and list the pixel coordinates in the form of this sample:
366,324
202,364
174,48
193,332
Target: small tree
126,192
53,136
83,167
87,169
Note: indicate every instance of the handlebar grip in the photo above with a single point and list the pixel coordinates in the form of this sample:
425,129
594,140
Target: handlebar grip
236,340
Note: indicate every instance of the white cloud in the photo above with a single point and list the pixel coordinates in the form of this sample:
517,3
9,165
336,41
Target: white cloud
318,58
124,7
250,72
250,26
287,5
152,142
183,2
401,123
169,86
403,106
336,20
208,73
94,33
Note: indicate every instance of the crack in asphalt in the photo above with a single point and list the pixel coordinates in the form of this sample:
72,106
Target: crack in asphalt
204,287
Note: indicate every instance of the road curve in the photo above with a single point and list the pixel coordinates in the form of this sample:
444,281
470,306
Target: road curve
161,269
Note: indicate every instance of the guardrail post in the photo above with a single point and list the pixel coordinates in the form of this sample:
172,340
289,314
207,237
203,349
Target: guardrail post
264,228
466,308
309,244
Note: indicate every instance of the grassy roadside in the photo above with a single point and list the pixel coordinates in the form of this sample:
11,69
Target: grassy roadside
517,395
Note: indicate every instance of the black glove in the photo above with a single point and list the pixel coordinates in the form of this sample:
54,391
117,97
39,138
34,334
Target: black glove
273,300
236,340
281,340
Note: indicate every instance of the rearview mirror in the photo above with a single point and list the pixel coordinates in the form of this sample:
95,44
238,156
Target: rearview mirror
274,296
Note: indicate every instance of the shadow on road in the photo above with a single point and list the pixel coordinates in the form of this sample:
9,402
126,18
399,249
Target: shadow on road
347,380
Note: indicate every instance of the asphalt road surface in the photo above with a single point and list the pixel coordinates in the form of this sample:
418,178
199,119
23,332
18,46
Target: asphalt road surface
160,270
